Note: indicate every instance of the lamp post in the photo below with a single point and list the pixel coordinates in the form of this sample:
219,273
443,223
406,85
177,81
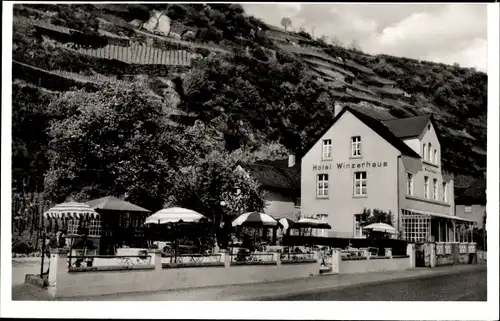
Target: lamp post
222,222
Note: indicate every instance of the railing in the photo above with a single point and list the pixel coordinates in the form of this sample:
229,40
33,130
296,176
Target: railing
297,257
462,248
191,259
472,248
447,249
87,261
245,258
439,249
352,254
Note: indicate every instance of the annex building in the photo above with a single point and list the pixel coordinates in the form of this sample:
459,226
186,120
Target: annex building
360,162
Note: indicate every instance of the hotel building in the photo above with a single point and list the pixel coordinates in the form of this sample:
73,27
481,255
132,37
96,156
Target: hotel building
360,162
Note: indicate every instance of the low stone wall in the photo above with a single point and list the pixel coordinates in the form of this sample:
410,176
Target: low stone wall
452,253
374,264
158,276
342,263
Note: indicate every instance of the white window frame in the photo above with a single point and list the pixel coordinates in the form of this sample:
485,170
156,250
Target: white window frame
358,229
356,146
426,186
358,191
322,185
467,208
326,151
435,189
445,192
409,183
424,152
94,227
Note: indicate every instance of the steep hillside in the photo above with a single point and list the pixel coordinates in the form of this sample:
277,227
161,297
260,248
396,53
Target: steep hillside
251,82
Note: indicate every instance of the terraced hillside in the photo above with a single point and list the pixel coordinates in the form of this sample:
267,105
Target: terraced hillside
252,82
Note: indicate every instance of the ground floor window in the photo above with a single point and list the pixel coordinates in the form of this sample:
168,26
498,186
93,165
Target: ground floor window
358,222
94,225
415,227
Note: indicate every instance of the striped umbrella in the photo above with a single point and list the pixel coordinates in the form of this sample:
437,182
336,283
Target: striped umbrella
71,210
311,223
175,215
286,223
381,227
254,219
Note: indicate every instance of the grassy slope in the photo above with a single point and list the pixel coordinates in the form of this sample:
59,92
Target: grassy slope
456,96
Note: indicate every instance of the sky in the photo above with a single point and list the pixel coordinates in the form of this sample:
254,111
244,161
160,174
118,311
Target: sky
447,33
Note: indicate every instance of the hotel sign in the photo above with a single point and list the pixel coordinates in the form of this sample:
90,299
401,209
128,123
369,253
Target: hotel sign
430,170
349,166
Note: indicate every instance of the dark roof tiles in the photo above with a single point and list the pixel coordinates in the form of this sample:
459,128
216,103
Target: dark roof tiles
409,126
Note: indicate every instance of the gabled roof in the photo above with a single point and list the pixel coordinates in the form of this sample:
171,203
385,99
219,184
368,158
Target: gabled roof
409,126
376,125
275,174
474,194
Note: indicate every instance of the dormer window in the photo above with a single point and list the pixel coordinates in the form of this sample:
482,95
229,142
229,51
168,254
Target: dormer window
327,149
424,152
429,154
435,157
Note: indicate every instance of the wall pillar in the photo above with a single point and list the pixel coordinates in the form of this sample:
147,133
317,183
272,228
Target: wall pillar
455,252
336,260
410,251
155,258
58,267
226,258
277,258
433,256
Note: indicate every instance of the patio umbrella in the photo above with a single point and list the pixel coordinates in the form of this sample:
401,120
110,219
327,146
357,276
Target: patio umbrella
254,219
71,210
112,203
285,223
381,227
311,223
175,215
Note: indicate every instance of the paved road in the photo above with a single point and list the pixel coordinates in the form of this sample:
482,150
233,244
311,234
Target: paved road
467,286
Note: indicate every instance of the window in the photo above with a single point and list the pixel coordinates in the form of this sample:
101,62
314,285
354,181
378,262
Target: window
426,187
356,146
424,152
429,154
358,222
95,227
297,202
360,183
415,227
445,192
435,156
409,183
434,189
322,185
468,209
327,149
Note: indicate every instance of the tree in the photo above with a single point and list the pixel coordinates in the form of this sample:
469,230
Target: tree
113,142
286,22
377,216
205,183
354,45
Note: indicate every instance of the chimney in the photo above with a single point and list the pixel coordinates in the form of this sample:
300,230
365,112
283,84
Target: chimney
291,160
337,109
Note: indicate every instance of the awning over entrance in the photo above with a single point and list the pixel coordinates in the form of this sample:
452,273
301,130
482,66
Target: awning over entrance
450,217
